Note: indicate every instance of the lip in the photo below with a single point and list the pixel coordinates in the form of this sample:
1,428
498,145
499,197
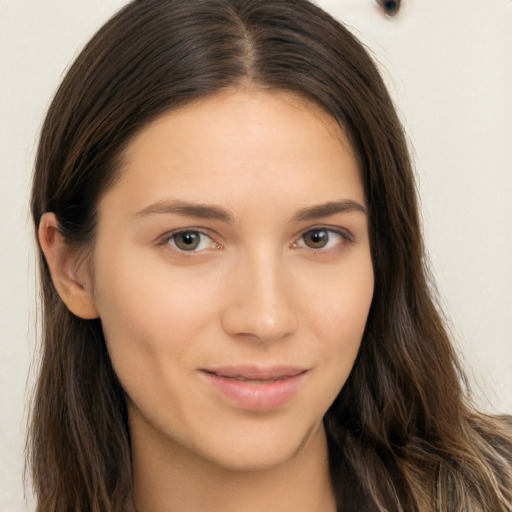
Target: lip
254,387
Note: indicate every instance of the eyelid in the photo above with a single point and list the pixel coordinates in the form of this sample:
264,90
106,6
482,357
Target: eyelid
165,240
344,233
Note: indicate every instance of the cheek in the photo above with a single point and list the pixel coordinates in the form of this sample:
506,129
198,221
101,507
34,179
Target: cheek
339,308
339,318
150,315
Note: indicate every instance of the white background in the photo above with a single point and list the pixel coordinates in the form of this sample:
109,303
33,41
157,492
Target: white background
448,64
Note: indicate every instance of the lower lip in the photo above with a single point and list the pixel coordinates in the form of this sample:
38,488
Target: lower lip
259,397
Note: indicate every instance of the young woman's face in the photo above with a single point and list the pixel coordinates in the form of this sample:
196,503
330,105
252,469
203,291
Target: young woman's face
233,277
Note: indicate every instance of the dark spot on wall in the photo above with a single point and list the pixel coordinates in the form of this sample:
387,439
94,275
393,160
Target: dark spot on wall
389,7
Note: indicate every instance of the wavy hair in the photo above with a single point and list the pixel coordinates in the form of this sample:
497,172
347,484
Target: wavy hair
401,434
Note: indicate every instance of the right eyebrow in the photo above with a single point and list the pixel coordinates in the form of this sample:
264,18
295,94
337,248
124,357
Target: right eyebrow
184,209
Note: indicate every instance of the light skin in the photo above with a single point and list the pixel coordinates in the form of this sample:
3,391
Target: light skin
236,236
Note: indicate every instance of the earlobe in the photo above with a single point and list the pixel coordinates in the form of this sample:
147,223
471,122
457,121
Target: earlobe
73,290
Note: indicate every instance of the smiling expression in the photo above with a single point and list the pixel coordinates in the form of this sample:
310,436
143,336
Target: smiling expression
233,276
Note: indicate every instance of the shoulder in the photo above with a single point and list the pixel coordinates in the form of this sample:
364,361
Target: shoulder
506,420
499,437
505,423
493,438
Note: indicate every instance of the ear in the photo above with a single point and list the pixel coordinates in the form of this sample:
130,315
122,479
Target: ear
73,288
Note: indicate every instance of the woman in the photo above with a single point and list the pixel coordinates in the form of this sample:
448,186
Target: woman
236,309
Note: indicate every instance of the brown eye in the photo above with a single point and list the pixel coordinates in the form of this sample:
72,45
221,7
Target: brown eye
187,240
316,238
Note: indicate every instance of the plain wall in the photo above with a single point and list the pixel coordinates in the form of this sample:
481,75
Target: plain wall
447,63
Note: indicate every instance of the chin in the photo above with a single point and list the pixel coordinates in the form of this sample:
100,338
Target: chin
263,451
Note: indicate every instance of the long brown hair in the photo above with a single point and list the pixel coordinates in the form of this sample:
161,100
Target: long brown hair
401,435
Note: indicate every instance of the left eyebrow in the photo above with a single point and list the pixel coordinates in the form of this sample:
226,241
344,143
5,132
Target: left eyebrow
328,209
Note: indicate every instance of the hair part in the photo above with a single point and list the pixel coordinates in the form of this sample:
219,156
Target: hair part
401,436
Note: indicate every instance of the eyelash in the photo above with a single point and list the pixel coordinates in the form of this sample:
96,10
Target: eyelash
343,234
169,240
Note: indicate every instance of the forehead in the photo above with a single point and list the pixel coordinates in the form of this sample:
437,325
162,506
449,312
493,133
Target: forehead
239,143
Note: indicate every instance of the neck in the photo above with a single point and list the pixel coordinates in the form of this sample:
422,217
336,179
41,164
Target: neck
170,478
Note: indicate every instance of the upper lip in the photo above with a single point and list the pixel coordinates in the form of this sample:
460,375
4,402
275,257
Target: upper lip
253,372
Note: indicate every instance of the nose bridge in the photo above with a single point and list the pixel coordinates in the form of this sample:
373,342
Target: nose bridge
260,303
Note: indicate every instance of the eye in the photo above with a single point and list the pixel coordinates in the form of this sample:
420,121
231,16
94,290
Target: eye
190,241
322,238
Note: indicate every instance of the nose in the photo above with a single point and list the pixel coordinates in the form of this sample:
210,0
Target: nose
259,301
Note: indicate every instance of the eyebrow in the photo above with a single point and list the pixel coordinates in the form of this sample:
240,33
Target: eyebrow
328,209
185,209
206,211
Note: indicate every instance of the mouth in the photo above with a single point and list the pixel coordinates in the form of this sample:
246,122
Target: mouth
256,388
255,381
256,373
